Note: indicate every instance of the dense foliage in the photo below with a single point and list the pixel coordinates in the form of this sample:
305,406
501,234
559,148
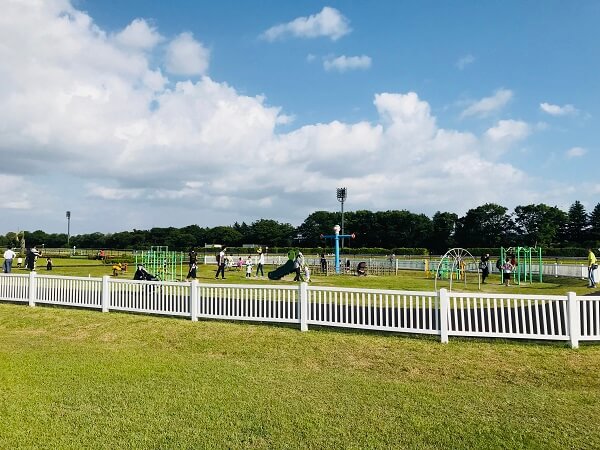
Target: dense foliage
487,226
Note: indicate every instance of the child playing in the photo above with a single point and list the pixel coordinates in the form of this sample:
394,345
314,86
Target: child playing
249,267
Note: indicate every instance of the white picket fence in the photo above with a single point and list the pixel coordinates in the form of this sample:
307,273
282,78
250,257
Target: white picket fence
569,318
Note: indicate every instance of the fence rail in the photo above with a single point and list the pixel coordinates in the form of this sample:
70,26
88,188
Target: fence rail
569,318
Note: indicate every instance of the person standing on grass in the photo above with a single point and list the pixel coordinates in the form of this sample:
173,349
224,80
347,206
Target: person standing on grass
261,263
192,272
9,255
249,267
221,262
483,265
592,266
507,268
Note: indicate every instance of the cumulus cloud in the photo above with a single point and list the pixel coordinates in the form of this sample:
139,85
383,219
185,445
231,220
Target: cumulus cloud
488,105
464,61
95,123
344,63
576,152
327,23
186,56
508,131
555,110
139,35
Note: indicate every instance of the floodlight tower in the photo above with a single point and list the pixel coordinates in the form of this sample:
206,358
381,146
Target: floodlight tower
68,227
341,197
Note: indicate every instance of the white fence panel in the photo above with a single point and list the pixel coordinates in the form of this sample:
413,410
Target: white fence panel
385,310
249,302
589,313
508,316
152,297
71,291
14,288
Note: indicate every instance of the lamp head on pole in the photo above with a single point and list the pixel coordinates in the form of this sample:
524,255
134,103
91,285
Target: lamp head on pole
341,194
68,214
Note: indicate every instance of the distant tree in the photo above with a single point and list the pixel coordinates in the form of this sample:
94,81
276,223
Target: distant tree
577,224
539,224
443,231
270,233
485,226
594,226
316,224
224,235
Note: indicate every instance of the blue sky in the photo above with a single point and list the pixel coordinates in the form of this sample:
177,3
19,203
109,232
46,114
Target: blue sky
134,114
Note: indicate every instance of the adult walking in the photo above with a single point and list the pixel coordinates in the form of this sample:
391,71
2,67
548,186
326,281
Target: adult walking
9,255
298,266
221,263
261,263
592,266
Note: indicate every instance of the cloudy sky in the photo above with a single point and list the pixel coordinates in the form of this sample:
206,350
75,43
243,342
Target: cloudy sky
138,114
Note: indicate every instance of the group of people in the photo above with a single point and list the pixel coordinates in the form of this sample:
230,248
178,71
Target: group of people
506,267
31,256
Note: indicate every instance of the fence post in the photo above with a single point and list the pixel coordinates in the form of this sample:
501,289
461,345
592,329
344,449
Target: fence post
444,301
194,300
303,299
32,288
574,321
105,293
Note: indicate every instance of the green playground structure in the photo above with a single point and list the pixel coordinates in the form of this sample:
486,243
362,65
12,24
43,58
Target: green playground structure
526,258
160,262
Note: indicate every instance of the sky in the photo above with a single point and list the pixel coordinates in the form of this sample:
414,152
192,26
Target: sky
134,114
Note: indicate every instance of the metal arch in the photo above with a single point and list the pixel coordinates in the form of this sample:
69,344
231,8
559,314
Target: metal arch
458,255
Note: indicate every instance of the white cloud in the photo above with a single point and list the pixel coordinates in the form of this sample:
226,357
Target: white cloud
139,35
344,63
508,131
97,126
576,152
555,110
327,23
488,105
464,61
186,56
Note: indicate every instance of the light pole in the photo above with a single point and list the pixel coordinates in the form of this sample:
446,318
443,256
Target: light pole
68,228
341,196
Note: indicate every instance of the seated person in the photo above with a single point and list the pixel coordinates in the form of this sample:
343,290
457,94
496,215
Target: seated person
361,268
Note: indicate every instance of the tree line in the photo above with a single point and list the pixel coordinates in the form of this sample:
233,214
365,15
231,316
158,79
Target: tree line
487,226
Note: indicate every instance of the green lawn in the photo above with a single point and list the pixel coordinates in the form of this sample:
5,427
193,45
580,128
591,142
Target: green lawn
405,280
82,379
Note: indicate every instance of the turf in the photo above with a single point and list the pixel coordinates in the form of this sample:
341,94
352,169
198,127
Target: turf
81,379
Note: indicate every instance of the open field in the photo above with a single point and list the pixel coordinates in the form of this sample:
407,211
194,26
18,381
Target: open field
75,379
405,280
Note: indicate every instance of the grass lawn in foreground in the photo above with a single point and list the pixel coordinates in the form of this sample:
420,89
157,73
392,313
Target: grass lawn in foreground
74,379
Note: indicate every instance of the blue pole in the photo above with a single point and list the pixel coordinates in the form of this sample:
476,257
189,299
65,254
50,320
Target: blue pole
337,253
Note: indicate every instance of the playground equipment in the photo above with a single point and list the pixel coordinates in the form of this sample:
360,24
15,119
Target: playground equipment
285,269
163,264
336,238
525,258
456,264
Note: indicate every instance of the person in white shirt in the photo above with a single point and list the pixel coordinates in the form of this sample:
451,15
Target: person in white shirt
9,255
249,267
261,263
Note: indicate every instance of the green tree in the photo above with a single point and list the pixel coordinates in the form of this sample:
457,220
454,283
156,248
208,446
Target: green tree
316,224
594,223
270,233
443,231
539,224
485,226
577,224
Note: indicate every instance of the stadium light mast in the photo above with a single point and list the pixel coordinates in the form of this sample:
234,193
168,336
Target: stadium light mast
342,193
68,228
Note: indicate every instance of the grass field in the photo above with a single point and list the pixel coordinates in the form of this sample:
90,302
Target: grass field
407,280
81,379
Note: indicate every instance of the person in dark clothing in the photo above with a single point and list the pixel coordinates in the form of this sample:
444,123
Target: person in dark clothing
484,266
193,257
192,273
323,263
221,263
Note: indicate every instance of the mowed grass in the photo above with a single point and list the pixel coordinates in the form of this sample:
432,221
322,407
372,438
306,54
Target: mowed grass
75,379
405,280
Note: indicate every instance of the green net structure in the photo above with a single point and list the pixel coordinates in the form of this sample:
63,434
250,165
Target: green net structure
526,259
163,264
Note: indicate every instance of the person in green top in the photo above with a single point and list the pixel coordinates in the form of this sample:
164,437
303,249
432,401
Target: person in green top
591,267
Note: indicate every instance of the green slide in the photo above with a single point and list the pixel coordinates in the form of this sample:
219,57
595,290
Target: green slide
282,271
